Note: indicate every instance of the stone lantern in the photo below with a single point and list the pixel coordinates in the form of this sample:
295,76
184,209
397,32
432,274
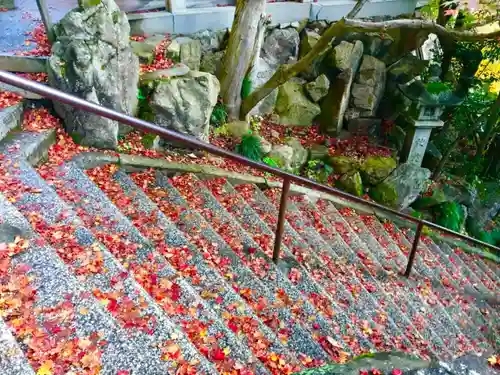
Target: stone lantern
425,113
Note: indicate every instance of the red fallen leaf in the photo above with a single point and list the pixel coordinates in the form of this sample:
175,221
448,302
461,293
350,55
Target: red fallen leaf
219,300
316,326
363,372
370,288
376,371
397,371
252,250
218,354
123,372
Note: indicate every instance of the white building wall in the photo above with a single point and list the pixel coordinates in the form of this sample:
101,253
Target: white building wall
189,16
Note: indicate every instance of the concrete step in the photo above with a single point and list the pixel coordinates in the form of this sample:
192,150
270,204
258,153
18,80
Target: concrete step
185,308
59,315
220,255
442,286
296,261
12,358
96,267
203,274
354,261
10,118
434,321
363,299
296,313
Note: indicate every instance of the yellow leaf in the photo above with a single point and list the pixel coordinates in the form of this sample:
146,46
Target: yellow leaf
227,351
493,360
45,368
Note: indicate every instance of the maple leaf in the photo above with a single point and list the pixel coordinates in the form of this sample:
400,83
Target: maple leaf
493,360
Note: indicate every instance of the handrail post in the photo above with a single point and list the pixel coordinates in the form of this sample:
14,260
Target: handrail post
414,247
281,219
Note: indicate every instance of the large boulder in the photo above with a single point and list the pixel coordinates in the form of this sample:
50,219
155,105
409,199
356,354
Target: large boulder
280,46
346,57
369,87
189,52
92,59
351,183
344,164
283,154
185,103
308,40
318,88
210,40
377,168
210,62
293,106
300,154
402,187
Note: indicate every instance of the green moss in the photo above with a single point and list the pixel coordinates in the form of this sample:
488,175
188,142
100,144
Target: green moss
148,139
116,16
77,138
385,194
377,168
88,3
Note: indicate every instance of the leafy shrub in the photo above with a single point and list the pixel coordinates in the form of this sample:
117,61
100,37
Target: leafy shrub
450,215
250,147
318,170
219,115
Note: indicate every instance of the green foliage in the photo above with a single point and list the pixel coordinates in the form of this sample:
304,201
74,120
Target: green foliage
450,215
437,88
219,115
250,147
318,170
148,139
222,131
144,110
275,163
246,88
255,124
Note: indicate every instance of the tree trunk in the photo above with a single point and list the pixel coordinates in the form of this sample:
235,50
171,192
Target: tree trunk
239,52
444,159
489,128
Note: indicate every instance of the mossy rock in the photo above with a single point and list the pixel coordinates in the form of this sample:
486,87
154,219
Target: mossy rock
84,4
376,168
450,215
384,194
343,164
351,183
438,196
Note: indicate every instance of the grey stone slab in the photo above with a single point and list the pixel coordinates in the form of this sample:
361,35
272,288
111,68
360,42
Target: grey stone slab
10,118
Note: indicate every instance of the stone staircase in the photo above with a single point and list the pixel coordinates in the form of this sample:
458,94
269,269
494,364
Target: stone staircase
108,271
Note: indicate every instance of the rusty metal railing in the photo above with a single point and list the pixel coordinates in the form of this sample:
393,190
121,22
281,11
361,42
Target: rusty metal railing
192,142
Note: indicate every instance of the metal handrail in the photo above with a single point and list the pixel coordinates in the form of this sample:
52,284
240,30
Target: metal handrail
192,142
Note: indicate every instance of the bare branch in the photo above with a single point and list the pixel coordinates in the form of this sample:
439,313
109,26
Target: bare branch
430,26
354,11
